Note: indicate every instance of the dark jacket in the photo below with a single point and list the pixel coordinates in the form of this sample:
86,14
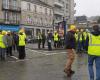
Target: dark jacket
70,40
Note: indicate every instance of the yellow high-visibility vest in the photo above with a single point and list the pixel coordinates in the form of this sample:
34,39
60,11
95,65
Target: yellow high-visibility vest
22,40
2,45
85,35
80,38
94,45
76,36
55,37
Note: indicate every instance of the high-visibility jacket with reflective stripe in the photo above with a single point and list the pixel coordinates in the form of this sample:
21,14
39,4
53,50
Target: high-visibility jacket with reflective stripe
94,45
22,40
2,45
55,37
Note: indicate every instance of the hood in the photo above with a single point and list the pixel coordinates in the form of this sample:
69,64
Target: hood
72,32
96,33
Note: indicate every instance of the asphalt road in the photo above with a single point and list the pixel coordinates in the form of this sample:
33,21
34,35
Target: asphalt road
42,65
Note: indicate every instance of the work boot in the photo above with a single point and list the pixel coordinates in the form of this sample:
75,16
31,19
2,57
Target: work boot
72,72
69,72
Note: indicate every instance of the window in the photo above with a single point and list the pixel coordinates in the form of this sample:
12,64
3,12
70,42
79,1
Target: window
43,30
6,4
14,18
6,16
29,20
40,9
50,12
45,10
35,7
37,31
28,6
14,4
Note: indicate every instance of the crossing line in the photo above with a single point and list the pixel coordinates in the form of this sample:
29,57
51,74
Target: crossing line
48,52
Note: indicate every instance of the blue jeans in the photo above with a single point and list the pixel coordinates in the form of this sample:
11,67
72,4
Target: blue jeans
91,60
0,51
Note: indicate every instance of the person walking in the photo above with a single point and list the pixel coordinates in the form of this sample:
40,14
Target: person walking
21,45
94,53
70,46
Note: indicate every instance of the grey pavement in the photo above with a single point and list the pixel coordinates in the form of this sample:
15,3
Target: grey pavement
42,65
35,47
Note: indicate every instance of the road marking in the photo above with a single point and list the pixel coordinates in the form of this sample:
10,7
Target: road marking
19,60
47,52
14,57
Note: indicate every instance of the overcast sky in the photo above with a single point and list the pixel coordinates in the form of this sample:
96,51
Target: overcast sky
87,7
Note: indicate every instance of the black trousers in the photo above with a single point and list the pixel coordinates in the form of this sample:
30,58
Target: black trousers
55,44
43,43
22,54
49,46
39,43
9,50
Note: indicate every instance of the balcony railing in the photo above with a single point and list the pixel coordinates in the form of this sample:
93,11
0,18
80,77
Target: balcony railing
11,7
59,12
7,21
58,4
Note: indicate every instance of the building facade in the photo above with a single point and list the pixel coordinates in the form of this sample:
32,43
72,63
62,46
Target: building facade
72,11
62,9
36,16
10,11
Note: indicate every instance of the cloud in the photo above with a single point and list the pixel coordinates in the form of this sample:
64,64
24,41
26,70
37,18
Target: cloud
87,7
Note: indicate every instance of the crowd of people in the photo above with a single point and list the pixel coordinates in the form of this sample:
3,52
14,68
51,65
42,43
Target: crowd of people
76,41
57,41
12,41
79,41
52,39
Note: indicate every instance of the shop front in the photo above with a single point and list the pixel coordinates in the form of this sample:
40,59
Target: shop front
9,27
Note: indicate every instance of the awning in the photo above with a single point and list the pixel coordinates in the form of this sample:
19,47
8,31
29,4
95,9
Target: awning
9,27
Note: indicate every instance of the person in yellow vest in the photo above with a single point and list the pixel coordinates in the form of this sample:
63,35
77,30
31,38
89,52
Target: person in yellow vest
56,38
21,45
76,37
86,39
80,41
3,45
94,53
39,39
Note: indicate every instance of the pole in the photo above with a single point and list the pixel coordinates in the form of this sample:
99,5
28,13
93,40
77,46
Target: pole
64,25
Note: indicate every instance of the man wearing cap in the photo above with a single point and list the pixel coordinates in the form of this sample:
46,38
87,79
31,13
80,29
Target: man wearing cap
70,46
94,53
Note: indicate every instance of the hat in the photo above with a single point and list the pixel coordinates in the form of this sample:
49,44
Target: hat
72,27
4,32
